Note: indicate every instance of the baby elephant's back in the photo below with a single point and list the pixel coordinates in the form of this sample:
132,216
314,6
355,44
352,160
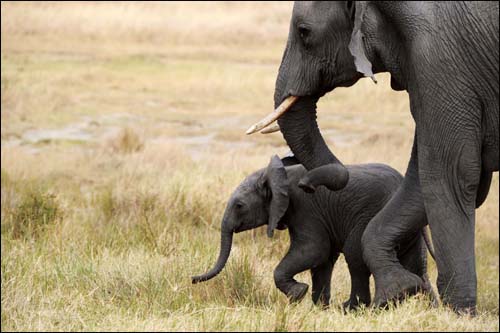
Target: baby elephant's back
370,185
376,175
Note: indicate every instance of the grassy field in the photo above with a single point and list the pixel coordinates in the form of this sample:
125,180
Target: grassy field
122,131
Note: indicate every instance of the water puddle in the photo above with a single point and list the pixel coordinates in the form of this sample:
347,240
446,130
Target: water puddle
70,133
87,130
98,129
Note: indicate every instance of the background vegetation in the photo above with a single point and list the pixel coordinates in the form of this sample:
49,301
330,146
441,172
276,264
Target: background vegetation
122,137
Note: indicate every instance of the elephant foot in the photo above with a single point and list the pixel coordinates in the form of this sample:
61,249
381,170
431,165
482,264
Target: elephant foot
349,305
323,304
462,309
395,284
463,306
297,292
470,311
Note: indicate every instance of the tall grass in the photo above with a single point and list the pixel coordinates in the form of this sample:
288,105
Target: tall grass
122,256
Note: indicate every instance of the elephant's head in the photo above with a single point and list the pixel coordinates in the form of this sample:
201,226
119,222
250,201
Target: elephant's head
324,51
262,198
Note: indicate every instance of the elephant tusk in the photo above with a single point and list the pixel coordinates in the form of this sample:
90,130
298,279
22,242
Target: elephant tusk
284,107
270,129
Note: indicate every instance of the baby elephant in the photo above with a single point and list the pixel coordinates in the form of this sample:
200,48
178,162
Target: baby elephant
321,225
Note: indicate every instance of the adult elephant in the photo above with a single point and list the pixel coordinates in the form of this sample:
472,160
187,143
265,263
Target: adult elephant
445,54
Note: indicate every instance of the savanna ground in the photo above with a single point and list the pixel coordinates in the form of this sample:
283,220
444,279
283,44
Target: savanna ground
122,138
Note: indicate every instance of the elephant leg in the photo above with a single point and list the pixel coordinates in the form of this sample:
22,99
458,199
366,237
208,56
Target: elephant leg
360,275
360,289
321,280
404,214
450,172
414,258
295,261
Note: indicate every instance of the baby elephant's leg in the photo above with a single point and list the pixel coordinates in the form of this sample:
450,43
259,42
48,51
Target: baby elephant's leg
360,274
360,289
294,262
321,280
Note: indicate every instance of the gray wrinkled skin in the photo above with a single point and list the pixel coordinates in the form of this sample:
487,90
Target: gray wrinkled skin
445,55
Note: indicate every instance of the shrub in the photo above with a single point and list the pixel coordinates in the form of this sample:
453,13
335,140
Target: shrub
34,211
127,141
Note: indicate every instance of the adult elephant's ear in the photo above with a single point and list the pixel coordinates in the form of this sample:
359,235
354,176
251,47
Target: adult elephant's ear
356,47
277,182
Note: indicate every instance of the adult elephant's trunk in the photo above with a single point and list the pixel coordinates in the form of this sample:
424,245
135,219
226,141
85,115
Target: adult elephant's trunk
301,132
225,249
295,108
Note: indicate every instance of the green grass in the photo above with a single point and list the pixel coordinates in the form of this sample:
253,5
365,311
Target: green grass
105,234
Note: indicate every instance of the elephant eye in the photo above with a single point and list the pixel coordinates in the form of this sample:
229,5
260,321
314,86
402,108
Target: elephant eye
239,206
304,32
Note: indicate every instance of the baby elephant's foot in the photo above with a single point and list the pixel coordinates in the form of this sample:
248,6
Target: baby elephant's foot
349,306
297,292
322,303
395,284
352,305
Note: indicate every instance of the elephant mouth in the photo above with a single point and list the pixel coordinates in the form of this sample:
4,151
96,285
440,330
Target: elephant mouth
244,227
238,230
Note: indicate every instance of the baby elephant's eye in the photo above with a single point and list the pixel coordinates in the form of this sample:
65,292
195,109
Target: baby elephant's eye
239,205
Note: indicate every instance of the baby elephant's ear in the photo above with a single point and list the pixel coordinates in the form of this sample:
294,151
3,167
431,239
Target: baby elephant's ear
278,184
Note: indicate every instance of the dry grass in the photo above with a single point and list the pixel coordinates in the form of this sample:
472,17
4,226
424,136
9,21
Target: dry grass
122,138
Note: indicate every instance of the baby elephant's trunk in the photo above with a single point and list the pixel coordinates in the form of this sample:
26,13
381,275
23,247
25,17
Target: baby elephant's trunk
225,249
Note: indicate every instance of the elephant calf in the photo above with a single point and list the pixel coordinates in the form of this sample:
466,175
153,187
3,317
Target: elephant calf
321,226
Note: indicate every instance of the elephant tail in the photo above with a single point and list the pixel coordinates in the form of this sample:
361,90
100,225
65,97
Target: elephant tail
426,232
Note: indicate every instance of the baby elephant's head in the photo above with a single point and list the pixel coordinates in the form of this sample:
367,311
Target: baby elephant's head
262,198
